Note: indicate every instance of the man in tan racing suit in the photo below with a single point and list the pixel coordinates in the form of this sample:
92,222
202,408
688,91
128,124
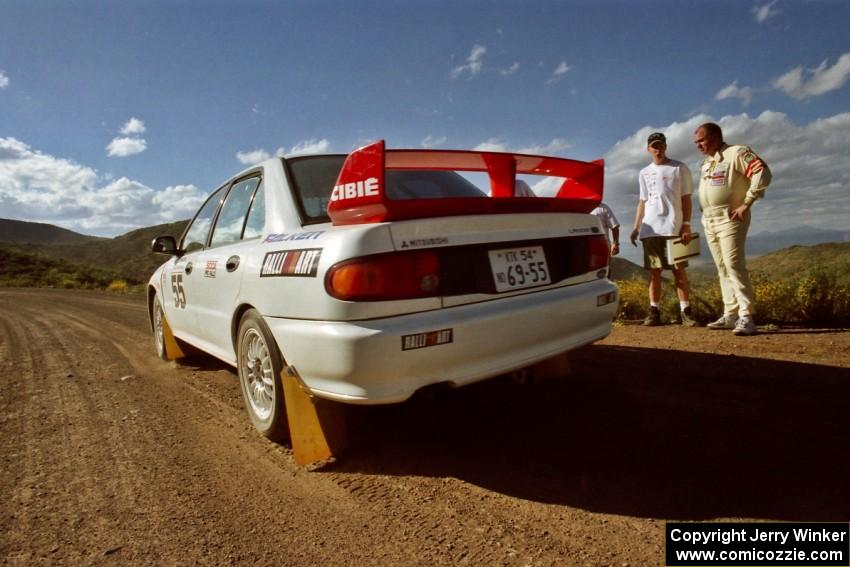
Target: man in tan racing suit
732,178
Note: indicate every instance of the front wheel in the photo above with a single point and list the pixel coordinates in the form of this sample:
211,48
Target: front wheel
159,329
259,363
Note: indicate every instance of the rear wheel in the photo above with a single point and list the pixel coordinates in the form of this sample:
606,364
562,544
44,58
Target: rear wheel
259,363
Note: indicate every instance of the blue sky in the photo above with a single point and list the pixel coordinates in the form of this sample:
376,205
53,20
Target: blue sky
115,115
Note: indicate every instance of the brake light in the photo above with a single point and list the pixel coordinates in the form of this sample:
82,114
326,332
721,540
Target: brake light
598,257
397,275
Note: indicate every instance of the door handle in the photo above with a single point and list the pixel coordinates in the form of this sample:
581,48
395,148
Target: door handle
188,268
232,263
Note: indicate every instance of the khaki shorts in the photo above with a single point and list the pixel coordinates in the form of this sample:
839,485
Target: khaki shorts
655,254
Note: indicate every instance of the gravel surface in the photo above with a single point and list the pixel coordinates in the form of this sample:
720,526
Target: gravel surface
111,456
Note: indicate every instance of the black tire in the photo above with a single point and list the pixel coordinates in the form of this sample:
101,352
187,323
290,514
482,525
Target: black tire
259,363
158,321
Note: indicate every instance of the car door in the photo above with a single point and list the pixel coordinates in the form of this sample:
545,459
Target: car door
221,265
179,278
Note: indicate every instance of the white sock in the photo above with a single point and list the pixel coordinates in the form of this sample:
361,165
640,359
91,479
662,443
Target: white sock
684,304
653,304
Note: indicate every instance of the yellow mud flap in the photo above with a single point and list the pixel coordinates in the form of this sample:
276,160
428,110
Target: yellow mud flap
172,349
316,426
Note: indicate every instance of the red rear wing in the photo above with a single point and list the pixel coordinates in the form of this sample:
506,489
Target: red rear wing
359,194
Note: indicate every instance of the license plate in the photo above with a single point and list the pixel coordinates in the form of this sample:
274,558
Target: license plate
519,268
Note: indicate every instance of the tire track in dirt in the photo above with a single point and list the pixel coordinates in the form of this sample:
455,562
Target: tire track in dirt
163,467
76,421
224,487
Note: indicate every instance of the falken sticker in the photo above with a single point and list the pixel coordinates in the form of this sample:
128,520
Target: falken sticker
423,242
211,268
282,237
291,263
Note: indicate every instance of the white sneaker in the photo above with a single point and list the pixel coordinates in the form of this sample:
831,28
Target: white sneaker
746,326
725,322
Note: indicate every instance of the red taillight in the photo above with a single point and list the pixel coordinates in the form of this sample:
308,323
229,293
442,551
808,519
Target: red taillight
403,275
598,257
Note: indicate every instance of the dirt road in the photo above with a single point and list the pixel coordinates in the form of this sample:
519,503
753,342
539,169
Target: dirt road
110,456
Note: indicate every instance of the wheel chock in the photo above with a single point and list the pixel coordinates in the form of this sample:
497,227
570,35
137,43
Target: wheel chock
316,427
172,349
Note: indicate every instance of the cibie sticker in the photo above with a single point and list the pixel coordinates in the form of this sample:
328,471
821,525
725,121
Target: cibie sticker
367,188
291,263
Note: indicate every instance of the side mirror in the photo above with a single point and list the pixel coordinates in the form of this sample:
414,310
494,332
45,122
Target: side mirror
165,245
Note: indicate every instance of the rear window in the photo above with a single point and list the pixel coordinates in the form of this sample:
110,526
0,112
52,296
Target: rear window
416,184
313,179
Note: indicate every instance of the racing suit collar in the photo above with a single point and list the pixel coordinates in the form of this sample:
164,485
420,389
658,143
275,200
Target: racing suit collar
718,157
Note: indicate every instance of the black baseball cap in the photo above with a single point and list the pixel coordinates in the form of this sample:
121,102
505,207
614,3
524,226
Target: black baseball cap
656,137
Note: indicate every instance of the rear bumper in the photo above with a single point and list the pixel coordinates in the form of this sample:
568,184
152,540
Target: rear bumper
362,362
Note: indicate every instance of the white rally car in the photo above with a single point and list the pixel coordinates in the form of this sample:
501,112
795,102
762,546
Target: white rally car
372,275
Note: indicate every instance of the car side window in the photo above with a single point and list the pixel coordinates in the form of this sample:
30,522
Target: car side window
231,220
256,224
196,235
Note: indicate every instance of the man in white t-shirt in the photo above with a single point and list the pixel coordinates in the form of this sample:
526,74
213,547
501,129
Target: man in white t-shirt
664,211
610,224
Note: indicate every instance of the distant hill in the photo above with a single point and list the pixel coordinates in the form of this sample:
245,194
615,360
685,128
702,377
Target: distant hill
766,242
128,255
832,258
22,232
622,269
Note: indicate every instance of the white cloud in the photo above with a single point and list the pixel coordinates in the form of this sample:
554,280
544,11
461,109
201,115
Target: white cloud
556,146
808,162
559,72
252,157
734,91
4,80
129,144
42,188
562,68
123,147
510,70
473,64
181,201
432,142
310,147
491,145
762,13
133,127
802,84
301,148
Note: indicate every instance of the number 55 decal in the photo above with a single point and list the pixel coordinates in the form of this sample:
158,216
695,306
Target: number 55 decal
177,291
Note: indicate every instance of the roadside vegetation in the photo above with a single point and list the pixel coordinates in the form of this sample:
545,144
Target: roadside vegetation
19,269
801,285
